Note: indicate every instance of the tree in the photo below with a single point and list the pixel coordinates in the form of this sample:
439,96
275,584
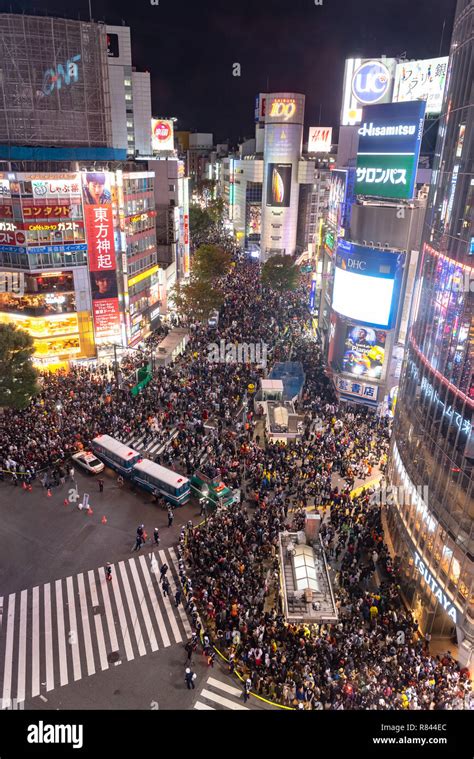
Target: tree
280,273
215,209
18,377
200,222
194,300
210,262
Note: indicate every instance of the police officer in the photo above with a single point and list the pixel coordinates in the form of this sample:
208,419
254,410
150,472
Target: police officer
189,678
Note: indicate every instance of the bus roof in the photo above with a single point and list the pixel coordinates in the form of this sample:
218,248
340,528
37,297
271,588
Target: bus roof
114,446
161,473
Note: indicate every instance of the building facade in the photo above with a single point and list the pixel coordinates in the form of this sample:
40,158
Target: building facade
432,446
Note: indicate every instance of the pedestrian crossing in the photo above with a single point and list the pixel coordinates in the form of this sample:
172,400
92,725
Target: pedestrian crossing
218,694
154,445
63,631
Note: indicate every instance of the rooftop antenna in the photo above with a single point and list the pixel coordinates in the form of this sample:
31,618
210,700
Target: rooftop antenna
441,40
90,10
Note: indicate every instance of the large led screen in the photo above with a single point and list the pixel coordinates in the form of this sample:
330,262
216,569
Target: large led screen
279,185
367,299
364,351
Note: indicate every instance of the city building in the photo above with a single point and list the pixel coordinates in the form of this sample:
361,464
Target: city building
432,450
200,147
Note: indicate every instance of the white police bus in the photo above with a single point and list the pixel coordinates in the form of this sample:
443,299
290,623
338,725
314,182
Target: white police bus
174,487
115,454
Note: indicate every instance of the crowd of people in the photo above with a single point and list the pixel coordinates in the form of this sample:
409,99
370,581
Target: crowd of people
205,417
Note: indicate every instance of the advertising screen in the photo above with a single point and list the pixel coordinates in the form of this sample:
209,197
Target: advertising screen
364,351
367,284
279,185
113,46
337,195
389,147
101,252
319,139
162,135
254,219
421,80
366,82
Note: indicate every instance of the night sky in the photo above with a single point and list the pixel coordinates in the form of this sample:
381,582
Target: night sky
189,47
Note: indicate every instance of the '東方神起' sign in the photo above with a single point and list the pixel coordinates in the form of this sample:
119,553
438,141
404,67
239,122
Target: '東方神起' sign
435,588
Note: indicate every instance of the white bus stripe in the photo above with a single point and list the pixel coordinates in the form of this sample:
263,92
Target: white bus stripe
143,605
168,607
63,676
122,618
182,613
154,602
35,647
85,625
48,638
73,636
132,609
224,686
7,672
108,611
223,701
104,664
21,685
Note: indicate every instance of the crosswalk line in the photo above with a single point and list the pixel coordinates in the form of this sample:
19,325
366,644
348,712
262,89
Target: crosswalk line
7,673
85,625
131,607
108,611
224,686
99,630
200,705
73,637
21,682
182,613
143,605
48,637
218,699
154,602
63,676
123,622
168,607
35,656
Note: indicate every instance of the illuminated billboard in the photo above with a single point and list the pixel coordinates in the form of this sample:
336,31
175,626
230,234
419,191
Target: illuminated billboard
364,351
367,284
162,137
254,219
366,82
319,139
337,195
101,253
421,80
389,146
278,184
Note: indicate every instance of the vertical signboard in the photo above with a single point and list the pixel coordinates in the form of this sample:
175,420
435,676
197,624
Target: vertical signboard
101,253
162,137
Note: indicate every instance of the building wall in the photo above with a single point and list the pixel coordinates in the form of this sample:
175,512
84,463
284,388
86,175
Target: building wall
142,111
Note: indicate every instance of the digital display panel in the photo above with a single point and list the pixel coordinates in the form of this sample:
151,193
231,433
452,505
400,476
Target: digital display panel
364,351
279,185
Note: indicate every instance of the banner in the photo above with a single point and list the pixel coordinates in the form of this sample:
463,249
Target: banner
364,352
279,185
101,253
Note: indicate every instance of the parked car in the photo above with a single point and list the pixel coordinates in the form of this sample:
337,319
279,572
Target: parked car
87,460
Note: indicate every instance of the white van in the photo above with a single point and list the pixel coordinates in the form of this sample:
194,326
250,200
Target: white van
213,320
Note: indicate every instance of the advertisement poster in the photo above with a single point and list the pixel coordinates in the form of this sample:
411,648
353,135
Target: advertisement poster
101,253
279,185
422,80
162,135
319,139
254,220
337,195
364,352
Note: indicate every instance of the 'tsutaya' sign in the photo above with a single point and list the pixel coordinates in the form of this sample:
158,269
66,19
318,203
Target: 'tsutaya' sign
435,588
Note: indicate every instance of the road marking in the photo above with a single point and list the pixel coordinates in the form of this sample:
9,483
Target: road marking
85,625
63,676
154,602
108,610
48,637
35,655
7,672
199,705
132,609
73,631
99,630
223,701
168,607
123,621
21,685
143,605
224,686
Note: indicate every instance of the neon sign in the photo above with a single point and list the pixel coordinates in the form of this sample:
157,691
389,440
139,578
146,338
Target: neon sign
54,78
283,108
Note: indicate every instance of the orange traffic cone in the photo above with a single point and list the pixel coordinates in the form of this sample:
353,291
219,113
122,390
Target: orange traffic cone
89,511
65,501
49,493
104,520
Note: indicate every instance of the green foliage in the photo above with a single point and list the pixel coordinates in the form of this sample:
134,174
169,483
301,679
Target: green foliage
195,299
210,262
200,222
18,377
280,273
